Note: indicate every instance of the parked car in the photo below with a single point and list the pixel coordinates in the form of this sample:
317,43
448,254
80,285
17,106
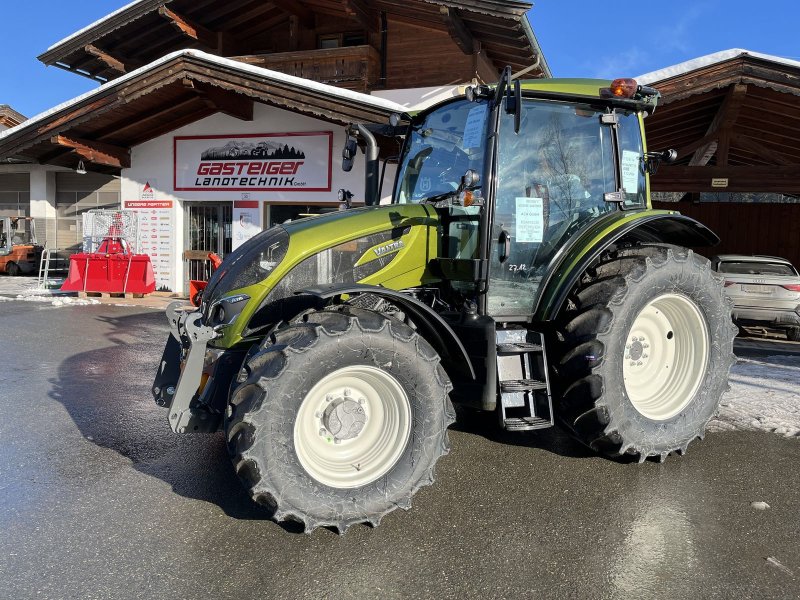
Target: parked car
765,291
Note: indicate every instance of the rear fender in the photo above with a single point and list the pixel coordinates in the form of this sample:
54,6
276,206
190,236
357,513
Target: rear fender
664,227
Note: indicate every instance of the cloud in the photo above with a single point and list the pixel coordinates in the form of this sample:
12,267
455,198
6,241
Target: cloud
673,41
621,64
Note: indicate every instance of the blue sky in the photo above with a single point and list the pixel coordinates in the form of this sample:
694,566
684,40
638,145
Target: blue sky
580,38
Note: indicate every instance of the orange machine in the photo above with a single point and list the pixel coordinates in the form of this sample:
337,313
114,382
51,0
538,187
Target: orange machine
19,251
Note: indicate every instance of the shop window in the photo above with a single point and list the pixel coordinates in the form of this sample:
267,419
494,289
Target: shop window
75,195
15,199
15,204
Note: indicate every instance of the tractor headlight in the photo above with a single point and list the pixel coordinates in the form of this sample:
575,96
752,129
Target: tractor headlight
251,263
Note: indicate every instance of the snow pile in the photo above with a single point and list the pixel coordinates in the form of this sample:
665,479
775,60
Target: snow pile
764,395
55,301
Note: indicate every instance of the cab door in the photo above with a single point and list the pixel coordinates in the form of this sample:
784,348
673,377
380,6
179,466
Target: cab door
551,178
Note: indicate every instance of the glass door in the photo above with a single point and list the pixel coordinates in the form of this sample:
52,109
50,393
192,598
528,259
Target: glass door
208,229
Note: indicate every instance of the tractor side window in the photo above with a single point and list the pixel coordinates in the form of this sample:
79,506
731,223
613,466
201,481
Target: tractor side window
631,160
551,181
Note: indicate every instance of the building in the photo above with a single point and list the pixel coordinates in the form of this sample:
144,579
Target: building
734,119
219,118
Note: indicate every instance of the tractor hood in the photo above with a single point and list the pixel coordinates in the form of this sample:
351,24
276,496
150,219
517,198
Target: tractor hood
386,245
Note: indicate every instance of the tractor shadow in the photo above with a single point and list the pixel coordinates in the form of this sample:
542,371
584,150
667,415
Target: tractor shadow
106,392
553,439
107,395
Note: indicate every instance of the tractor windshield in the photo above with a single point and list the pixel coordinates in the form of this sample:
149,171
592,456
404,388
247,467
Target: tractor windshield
440,150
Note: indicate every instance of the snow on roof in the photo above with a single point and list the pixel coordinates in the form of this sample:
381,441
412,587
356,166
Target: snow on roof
707,60
324,88
96,23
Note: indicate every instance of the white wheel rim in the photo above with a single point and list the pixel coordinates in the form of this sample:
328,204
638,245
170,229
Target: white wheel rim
352,427
665,356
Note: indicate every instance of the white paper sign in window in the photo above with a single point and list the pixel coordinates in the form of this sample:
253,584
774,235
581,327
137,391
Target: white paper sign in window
630,171
530,220
474,127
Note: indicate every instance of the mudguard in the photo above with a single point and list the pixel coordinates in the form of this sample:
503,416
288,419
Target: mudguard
651,226
432,327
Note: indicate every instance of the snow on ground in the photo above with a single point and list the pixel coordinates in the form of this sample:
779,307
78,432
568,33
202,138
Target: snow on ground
26,289
764,395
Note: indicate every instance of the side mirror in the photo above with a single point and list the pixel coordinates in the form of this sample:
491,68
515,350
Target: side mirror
652,160
348,154
514,104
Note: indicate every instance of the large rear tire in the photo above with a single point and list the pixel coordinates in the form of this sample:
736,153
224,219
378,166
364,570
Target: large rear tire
339,419
647,348
793,334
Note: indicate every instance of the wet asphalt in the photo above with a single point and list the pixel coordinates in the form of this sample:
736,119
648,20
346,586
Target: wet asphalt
98,499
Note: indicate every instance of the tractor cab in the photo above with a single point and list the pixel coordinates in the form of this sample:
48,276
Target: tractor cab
515,184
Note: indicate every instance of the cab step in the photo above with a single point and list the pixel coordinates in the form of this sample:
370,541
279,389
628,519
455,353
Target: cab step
522,385
527,423
522,380
518,348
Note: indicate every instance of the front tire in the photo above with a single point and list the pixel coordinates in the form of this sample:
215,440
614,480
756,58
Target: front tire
13,269
339,419
647,348
793,334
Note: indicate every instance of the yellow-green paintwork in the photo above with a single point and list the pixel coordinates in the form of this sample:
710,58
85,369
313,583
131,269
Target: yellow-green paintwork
579,87
308,237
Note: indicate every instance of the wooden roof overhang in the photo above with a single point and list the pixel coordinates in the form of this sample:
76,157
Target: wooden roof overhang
736,120
9,117
101,127
145,30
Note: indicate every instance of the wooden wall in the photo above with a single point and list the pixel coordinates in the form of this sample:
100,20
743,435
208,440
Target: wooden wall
419,57
772,229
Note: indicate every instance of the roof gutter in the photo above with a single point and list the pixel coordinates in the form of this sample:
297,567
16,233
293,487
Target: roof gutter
540,59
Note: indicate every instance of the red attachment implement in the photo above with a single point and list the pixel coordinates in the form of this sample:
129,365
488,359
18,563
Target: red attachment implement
113,268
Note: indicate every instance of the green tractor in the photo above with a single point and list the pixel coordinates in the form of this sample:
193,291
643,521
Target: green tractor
519,271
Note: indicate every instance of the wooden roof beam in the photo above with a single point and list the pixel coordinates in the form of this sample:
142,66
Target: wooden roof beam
218,41
750,144
229,103
720,128
98,153
112,63
297,9
784,179
361,12
458,30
